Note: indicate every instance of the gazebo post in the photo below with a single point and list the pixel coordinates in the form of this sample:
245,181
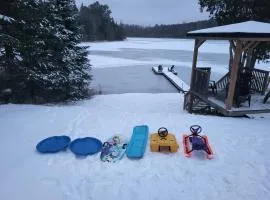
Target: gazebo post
234,74
197,44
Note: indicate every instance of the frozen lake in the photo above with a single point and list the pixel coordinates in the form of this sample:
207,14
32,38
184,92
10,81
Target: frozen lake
125,67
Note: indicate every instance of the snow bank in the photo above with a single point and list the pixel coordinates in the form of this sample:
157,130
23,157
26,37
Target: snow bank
240,169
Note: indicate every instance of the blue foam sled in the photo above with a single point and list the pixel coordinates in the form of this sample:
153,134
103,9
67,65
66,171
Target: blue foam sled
53,144
85,146
137,144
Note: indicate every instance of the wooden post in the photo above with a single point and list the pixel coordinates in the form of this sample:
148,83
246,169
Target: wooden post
197,44
250,53
234,73
232,45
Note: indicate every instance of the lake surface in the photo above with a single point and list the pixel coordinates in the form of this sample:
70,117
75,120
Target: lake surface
133,74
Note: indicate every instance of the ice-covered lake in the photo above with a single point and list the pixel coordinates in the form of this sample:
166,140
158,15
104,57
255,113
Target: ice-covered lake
125,67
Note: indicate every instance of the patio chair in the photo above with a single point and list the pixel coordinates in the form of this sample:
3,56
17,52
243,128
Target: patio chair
243,87
171,69
213,87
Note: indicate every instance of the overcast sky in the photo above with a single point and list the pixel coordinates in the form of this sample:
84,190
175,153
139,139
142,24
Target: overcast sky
151,12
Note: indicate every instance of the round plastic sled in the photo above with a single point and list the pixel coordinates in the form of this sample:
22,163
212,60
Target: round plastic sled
53,144
85,146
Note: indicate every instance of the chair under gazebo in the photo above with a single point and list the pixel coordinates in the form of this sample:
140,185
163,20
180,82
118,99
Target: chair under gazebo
241,91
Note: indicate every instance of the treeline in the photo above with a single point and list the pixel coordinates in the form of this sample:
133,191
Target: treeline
167,31
40,60
97,23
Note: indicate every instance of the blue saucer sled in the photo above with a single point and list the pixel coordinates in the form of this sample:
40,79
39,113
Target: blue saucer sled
137,144
85,146
53,144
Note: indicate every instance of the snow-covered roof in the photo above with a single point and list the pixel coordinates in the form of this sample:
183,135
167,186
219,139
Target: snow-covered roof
250,29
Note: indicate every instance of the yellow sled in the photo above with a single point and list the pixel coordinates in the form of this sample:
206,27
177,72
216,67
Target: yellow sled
163,140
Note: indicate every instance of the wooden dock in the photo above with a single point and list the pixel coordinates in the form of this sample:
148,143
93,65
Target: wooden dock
175,80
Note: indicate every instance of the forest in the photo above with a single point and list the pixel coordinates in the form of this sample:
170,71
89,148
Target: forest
97,23
167,31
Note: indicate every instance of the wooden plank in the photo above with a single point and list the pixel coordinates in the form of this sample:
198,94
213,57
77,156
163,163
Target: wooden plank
260,70
174,84
246,112
194,63
234,73
180,85
208,101
230,113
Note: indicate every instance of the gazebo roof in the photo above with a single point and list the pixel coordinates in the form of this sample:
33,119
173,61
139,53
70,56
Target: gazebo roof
248,29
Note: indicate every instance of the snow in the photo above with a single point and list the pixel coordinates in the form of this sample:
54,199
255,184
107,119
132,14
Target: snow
158,43
98,61
6,18
243,27
105,61
175,78
240,168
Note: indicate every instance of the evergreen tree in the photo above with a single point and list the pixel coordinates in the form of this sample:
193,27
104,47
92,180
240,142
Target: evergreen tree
52,66
98,24
10,58
74,58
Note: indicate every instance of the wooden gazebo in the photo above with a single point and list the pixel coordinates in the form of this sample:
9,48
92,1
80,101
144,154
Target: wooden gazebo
243,38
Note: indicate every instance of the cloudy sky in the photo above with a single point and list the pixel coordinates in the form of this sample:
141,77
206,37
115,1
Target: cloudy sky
151,12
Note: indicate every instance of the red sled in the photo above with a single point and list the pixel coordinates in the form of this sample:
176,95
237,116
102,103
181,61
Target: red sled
196,142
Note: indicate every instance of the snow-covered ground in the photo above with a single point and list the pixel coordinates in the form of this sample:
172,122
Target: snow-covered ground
240,168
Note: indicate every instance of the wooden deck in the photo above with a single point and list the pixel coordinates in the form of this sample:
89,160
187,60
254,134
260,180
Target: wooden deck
256,106
216,102
203,101
175,80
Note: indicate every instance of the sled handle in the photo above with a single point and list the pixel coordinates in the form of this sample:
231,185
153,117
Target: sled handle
195,129
162,132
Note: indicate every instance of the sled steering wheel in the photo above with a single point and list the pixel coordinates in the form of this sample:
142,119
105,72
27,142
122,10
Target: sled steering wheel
162,132
195,129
